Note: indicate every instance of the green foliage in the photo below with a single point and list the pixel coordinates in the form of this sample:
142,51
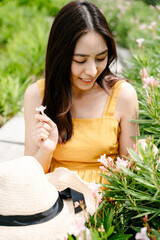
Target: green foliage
101,227
14,19
135,192
11,92
26,51
147,57
24,27
150,2
22,53
131,197
126,19
52,6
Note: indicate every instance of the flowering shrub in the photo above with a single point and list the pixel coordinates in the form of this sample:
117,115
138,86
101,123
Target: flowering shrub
146,74
130,208
129,20
136,190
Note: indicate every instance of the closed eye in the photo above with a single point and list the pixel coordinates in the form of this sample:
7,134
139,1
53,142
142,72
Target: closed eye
98,59
79,61
101,59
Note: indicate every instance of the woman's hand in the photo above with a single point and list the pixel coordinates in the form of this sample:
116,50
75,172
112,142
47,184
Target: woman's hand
45,134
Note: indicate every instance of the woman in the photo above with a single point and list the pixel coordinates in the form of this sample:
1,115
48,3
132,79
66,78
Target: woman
88,107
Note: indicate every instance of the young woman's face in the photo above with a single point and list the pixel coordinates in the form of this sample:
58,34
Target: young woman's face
89,60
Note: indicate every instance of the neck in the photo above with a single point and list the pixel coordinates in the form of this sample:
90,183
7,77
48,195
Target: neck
79,94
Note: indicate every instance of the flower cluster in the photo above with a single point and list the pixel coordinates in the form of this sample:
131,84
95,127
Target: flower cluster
148,80
109,163
79,228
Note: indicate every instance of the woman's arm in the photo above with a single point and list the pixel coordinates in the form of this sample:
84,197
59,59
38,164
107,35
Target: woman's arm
128,109
41,134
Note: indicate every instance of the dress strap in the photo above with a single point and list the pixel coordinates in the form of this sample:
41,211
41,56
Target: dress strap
112,99
41,84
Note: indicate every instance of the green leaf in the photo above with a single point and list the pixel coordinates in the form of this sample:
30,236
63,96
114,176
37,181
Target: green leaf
108,219
157,234
70,237
123,237
110,231
143,121
94,234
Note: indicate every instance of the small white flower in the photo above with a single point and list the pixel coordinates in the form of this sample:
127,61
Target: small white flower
76,204
142,235
41,109
140,41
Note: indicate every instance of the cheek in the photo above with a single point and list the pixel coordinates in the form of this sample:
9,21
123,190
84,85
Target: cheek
102,66
75,69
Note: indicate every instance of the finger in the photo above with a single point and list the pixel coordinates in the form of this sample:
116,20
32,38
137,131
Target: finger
40,137
44,125
40,130
45,118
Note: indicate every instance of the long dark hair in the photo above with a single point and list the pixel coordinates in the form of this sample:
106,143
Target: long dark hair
73,20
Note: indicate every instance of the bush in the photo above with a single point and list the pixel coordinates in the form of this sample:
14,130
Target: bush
11,92
150,2
24,27
131,198
146,74
127,19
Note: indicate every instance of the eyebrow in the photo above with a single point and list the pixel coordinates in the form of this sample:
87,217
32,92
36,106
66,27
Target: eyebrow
84,55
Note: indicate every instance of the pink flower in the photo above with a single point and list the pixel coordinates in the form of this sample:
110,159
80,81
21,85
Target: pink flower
110,162
152,26
140,41
121,162
102,168
145,219
143,26
96,191
144,73
156,167
158,7
149,100
151,81
78,227
151,6
142,235
103,160
76,204
121,8
88,234
144,146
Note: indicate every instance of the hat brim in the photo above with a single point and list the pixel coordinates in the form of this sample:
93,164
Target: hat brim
63,178
58,227
54,229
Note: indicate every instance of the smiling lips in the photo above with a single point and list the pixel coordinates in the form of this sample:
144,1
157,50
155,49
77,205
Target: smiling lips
87,80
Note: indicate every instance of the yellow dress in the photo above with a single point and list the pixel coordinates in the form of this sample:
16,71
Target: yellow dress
92,138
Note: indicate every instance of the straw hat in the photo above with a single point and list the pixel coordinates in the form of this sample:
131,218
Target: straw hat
30,206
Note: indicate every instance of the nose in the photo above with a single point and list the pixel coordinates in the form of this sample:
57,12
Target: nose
91,69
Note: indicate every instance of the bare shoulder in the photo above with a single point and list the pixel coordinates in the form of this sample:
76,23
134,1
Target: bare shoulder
32,94
127,92
32,99
127,104
32,90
